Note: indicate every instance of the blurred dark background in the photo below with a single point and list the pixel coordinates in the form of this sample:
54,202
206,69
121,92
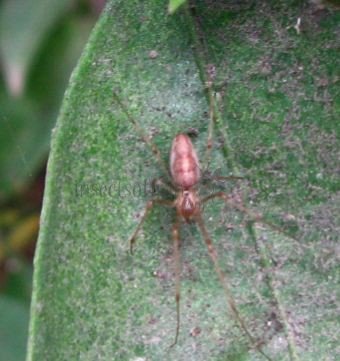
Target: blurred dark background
40,44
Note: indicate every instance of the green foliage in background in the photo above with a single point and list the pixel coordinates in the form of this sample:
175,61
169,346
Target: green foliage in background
40,43
174,5
276,85
14,316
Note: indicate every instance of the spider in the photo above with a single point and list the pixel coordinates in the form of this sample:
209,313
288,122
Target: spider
185,176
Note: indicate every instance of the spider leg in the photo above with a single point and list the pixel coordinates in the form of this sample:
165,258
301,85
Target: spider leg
213,95
225,284
147,209
160,183
145,137
212,120
221,195
177,266
255,217
229,177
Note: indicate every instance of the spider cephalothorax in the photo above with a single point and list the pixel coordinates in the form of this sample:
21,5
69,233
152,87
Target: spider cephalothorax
187,204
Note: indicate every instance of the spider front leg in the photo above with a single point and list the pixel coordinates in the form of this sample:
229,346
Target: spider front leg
139,130
147,209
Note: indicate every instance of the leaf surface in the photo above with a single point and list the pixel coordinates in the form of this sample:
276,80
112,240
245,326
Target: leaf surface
92,300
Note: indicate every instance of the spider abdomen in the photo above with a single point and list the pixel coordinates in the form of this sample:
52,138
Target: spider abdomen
184,165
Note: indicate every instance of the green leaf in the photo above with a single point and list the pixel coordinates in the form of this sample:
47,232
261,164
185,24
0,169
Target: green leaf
20,152
175,4
26,122
91,299
13,330
24,25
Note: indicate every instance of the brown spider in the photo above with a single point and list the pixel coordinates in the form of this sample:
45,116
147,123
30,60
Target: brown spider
185,176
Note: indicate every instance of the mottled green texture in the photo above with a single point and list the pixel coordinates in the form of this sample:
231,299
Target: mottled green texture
92,300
